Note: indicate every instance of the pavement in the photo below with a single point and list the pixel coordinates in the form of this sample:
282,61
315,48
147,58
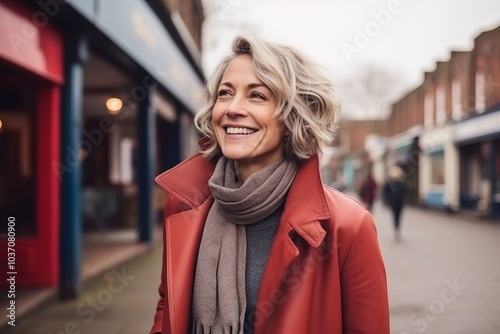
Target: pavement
444,273
103,253
119,300
443,277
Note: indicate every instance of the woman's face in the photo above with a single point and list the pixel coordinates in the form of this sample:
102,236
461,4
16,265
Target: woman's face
243,118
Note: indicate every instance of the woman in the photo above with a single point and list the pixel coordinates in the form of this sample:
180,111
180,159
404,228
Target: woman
254,243
368,191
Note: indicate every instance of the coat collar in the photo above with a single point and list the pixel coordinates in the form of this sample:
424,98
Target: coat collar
188,181
305,205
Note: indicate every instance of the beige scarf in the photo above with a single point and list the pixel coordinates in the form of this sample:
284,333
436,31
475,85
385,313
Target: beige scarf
219,300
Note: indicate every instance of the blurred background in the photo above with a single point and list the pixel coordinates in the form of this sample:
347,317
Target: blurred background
97,97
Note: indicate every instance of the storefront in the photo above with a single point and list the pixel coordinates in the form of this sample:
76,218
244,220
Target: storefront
478,139
439,169
75,163
31,66
128,88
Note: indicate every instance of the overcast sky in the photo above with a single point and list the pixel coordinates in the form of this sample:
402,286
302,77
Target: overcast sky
406,37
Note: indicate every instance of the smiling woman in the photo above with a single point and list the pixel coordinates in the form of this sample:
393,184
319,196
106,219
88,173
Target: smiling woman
255,243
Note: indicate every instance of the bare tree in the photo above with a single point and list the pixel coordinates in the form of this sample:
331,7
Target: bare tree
220,26
369,92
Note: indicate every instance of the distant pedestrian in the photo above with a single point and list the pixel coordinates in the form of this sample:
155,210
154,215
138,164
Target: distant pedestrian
393,195
368,191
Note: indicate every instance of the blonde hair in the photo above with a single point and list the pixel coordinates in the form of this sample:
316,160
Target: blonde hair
307,103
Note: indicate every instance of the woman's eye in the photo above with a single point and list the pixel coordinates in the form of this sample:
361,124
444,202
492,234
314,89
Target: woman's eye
258,95
223,92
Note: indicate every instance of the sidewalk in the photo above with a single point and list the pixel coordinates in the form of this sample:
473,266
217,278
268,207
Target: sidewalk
121,300
102,251
443,275
443,278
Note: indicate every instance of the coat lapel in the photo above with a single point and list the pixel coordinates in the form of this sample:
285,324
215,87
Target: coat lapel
305,208
183,236
188,182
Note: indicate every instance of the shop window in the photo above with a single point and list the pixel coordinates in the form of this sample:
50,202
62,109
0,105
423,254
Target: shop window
109,176
428,110
128,172
484,157
95,153
437,168
480,92
440,106
456,99
17,162
470,169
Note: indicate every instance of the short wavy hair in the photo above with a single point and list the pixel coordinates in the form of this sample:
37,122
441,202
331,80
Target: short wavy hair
307,103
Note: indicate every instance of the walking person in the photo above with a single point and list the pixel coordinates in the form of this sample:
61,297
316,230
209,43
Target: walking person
368,191
254,242
393,194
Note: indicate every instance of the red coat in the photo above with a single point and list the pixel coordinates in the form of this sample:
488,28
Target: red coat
325,272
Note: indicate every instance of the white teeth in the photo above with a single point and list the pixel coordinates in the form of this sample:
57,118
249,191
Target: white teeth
239,131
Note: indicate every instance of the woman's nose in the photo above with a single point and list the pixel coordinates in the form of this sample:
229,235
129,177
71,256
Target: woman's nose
236,108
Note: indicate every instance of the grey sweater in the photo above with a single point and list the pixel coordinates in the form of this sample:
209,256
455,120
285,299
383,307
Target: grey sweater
260,236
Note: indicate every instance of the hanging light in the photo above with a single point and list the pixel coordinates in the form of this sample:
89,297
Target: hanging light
1,125
114,105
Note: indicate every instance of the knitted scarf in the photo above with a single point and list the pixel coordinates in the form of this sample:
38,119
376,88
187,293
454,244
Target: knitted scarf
219,299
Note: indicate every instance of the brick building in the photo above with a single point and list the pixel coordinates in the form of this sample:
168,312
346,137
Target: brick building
477,134
445,133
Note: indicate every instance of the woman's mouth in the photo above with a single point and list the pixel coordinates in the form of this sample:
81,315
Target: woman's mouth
231,130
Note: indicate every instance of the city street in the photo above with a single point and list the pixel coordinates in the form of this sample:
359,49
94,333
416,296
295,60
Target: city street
443,278
101,96
444,273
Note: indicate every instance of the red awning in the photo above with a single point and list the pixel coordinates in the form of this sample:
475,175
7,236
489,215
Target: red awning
29,40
